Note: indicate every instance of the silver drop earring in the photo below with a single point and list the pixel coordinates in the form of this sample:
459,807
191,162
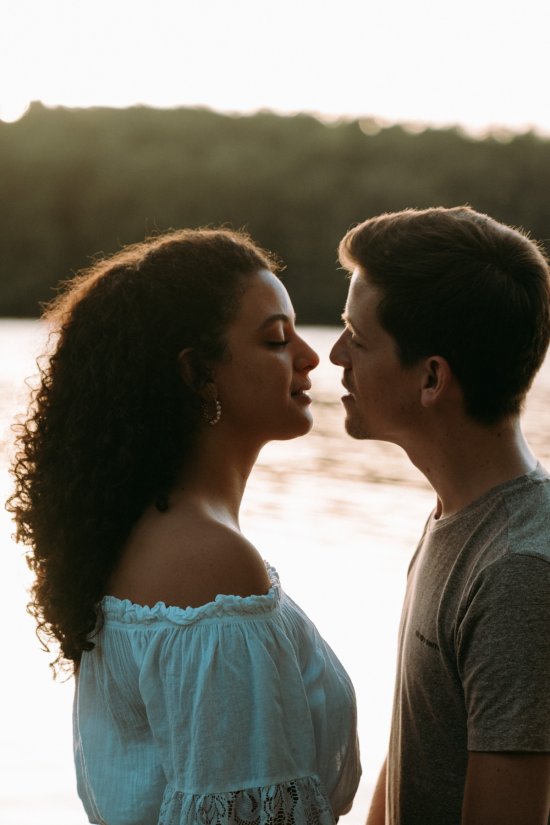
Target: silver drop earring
213,419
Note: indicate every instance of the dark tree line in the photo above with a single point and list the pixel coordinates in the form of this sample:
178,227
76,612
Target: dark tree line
76,183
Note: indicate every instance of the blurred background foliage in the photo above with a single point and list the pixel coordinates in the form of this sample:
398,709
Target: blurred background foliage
81,182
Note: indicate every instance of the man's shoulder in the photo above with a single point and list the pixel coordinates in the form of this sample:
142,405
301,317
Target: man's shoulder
522,501
527,509
511,519
523,488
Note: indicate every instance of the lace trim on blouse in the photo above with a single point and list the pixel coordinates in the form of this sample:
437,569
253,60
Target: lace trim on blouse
296,802
123,610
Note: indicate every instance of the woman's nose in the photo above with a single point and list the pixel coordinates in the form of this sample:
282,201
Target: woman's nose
308,358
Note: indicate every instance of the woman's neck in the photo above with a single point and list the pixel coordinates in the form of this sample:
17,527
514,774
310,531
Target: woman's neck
214,481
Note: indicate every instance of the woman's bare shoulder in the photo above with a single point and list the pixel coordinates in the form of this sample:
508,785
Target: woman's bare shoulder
188,568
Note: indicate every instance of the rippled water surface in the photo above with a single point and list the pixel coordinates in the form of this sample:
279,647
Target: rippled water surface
338,518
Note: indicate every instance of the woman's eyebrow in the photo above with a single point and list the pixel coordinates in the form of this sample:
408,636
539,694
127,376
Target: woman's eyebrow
280,316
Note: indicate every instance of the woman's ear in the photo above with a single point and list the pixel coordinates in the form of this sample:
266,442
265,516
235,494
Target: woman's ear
195,378
437,378
186,367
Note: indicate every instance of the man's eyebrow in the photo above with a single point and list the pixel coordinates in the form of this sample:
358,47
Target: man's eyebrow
347,321
280,316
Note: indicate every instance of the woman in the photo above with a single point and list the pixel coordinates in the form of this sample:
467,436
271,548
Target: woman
203,693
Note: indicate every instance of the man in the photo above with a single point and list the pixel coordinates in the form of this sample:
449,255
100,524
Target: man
446,323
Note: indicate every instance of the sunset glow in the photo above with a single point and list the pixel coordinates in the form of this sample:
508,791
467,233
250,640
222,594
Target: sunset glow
478,64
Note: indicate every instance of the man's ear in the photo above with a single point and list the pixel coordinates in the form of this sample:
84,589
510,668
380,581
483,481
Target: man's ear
437,378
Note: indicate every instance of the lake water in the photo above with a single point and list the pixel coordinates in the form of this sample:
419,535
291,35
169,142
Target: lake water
338,518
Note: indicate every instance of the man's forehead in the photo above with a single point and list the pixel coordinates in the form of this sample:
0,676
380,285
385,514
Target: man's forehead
363,296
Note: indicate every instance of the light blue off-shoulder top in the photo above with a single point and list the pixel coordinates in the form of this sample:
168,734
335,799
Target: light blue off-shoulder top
233,712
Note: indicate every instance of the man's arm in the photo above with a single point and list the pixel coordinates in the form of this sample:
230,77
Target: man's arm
508,788
377,810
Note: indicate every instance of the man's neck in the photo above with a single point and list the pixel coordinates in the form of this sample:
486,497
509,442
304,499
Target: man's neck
466,460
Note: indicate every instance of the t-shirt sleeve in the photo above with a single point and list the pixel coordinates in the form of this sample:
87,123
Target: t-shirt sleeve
503,651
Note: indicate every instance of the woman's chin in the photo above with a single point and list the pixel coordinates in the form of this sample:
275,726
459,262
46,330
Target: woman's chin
303,428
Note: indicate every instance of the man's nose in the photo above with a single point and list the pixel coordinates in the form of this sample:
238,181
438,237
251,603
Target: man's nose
338,353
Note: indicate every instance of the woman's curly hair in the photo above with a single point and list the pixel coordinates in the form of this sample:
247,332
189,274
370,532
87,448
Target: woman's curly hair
112,422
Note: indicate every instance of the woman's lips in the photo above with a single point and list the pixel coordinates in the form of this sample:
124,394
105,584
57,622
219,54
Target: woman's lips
300,394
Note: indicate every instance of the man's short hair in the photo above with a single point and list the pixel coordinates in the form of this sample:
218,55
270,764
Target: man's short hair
458,284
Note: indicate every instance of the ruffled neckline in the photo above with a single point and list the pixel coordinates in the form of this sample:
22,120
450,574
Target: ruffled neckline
123,610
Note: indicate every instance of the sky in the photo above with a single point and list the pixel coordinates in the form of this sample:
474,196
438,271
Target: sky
481,64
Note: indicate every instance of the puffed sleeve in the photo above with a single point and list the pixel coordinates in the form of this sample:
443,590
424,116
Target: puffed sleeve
230,714
241,713
332,707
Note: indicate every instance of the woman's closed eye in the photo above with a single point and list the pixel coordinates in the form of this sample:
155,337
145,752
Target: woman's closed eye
282,343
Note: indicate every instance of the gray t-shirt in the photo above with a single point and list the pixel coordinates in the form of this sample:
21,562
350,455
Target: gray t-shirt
473,670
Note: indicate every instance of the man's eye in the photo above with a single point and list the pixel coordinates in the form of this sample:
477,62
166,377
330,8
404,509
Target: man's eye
356,343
